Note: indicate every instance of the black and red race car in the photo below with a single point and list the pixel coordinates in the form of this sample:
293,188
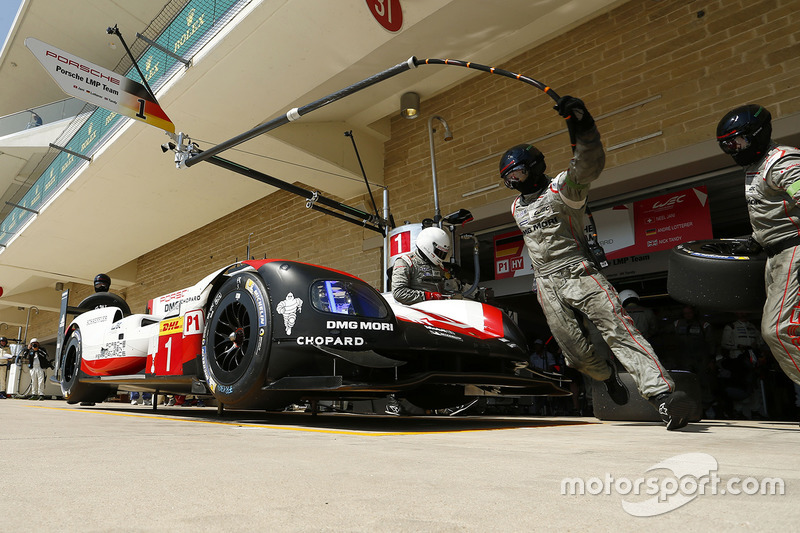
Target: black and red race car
266,334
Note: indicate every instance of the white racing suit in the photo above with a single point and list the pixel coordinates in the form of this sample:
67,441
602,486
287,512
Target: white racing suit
773,193
552,223
413,276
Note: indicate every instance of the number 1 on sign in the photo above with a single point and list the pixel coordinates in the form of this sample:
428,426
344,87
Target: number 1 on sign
141,114
168,346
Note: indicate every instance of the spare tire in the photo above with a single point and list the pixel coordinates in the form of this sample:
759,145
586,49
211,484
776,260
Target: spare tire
105,299
708,274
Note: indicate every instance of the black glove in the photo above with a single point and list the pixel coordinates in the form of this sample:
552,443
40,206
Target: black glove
748,246
574,111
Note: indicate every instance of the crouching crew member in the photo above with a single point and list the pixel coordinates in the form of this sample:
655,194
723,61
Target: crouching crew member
420,275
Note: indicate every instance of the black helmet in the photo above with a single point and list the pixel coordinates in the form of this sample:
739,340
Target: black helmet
102,283
522,168
745,133
4,339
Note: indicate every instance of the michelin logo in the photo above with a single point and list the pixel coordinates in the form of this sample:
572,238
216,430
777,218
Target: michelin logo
289,309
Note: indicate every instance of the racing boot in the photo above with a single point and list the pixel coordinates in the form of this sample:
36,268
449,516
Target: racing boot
675,408
616,389
393,406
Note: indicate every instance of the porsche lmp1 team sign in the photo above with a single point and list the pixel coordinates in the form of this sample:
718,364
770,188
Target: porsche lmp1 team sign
99,86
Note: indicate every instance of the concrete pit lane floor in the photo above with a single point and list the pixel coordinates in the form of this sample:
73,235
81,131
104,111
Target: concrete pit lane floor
117,467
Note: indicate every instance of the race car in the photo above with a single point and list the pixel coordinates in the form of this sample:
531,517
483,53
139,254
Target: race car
269,333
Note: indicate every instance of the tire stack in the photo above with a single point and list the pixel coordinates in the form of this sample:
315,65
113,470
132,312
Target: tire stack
710,275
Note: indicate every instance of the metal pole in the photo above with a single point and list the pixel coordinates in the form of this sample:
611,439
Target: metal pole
115,31
157,46
289,187
386,243
27,322
296,113
437,213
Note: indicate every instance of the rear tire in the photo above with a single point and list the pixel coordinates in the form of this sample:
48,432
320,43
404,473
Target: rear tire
236,341
72,389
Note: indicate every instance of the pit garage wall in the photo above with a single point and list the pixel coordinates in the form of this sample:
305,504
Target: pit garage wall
688,69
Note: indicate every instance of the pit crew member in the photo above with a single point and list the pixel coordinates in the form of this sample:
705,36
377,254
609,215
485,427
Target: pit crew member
37,363
5,357
550,213
420,275
772,191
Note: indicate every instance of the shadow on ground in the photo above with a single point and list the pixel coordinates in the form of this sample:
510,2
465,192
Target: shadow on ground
338,421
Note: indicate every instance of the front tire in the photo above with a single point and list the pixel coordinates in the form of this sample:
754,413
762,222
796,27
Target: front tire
236,341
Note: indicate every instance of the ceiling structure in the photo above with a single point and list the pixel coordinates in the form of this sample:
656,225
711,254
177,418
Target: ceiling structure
276,55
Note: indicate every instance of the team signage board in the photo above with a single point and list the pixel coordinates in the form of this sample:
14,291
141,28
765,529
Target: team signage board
99,86
511,256
388,13
402,240
655,224
631,234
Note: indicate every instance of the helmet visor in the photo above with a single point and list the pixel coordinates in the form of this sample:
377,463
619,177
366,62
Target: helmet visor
441,253
734,144
518,174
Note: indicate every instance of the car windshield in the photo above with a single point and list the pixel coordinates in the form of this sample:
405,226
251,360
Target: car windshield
346,298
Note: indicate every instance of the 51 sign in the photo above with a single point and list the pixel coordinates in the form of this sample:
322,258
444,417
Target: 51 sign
388,13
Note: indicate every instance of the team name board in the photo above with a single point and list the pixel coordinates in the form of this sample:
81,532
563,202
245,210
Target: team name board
99,86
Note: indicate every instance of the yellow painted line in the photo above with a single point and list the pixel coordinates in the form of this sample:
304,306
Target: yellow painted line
309,430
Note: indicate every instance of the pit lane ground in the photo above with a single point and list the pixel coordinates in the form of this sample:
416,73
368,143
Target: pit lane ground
117,467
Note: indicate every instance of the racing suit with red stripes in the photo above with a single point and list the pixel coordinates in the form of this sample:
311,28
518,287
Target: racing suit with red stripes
773,198
413,277
552,223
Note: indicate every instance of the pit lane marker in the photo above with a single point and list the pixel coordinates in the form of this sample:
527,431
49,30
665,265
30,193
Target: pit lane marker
313,430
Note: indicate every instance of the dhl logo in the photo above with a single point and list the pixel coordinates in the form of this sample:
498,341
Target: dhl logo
173,325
